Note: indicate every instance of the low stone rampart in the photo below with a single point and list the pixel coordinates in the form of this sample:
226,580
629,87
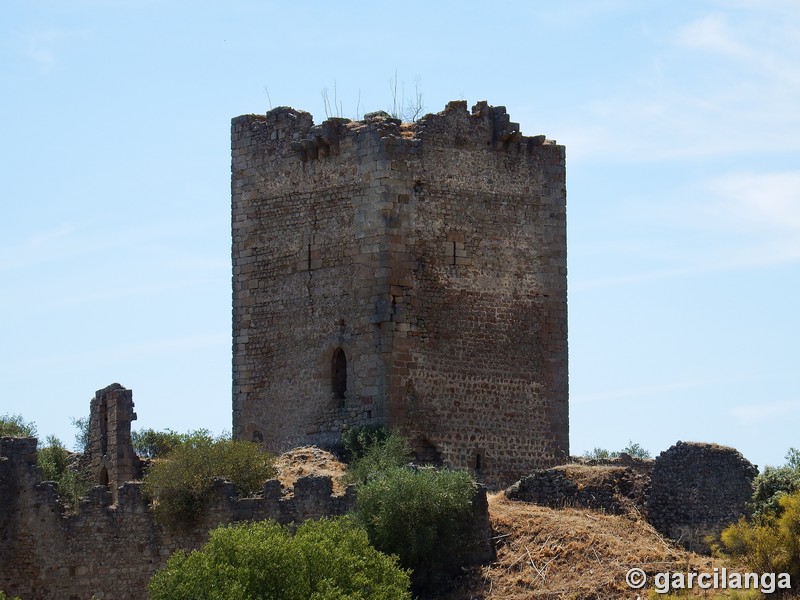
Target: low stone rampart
110,550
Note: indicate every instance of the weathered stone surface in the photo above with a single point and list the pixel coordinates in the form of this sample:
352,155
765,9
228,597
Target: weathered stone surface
697,489
111,546
112,460
613,488
432,254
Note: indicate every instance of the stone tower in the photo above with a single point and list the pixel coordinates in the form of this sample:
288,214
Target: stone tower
413,275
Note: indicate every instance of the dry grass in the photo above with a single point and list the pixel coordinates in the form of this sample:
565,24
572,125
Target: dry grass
309,460
569,554
584,475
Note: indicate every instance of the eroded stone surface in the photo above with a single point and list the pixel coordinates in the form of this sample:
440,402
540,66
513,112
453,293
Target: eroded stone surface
433,255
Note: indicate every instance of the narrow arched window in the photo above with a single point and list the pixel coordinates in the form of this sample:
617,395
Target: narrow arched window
339,374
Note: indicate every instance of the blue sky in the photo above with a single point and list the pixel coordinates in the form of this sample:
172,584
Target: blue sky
682,127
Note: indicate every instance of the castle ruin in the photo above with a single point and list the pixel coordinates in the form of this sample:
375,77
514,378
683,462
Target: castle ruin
406,274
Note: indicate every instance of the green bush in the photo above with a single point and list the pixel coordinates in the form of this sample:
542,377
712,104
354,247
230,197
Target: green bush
769,543
82,435
793,458
3,594
773,483
422,516
179,484
357,440
633,449
599,454
72,480
324,560
378,456
149,443
770,486
16,426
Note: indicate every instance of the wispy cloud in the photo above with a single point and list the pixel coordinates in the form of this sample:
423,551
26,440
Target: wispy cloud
67,242
761,211
717,86
640,392
104,294
160,350
44,47
712,32
738,220
756,413
757,201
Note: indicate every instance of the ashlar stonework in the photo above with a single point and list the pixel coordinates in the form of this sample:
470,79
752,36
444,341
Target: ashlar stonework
412,275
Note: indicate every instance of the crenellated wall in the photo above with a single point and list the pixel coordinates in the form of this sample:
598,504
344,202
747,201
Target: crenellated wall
432,254
110,550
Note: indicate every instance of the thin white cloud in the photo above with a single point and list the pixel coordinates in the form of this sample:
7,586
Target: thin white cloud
746,220
761,214
713,33
161,350
639,392
721,84
757,201
105,294
67,242
756,413
43,47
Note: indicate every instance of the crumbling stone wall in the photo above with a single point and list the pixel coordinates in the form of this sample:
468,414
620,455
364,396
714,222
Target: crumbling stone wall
111,550
432,255
112,460
111,546
612,488
690,491
697,489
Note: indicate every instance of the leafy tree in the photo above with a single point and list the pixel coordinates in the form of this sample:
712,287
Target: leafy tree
773,483
633,449
3,594
379,455
53,459
600,454
149,443
422,516
357,440
16,426
180,483
82,435
325,560
55,463
793,458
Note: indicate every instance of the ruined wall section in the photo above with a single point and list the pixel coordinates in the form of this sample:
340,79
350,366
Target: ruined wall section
697,490
479,369
111,550
307,234
112,460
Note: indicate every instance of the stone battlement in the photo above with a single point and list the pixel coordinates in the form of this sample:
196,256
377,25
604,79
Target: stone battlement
288,132
312,496
111,545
